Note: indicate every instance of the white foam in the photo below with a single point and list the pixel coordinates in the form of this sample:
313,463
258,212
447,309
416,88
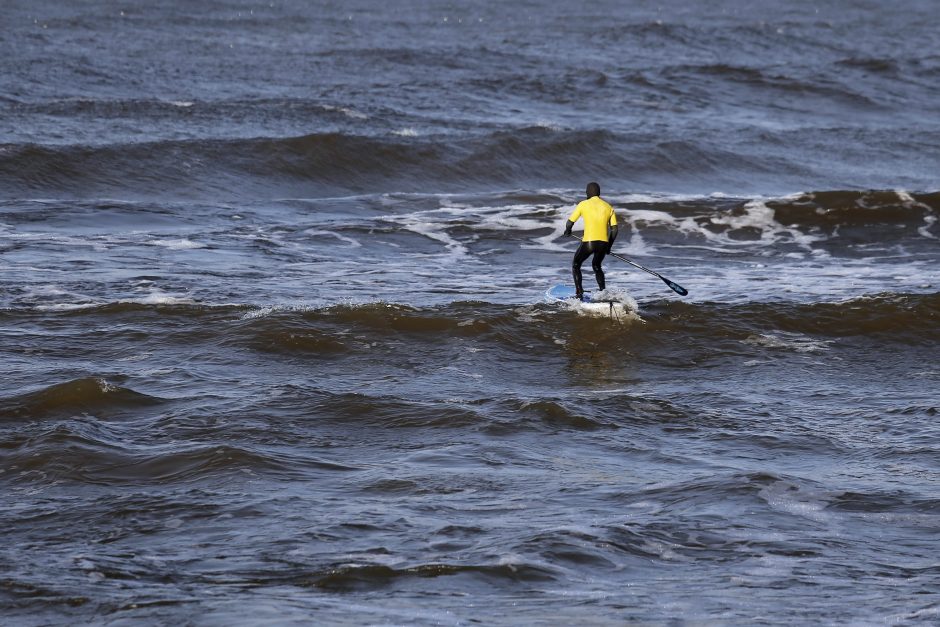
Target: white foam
766,567
550,242
158,372
261,312
266,310
66,306
177,244
611,303
161,300
756,215
636,246
618,295
796,500
353,243
929,221
106,387
45,290
649,216
650,198
549,125
527,313
930,611
154,297
349,113
516,218
790,341
759,216
137,357
419,223
97,243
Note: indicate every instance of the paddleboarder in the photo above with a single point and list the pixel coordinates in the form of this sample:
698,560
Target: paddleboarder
600,231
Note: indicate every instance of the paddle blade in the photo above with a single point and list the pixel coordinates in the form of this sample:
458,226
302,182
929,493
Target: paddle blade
678,289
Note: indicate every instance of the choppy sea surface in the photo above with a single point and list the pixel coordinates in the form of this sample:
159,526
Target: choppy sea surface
276,347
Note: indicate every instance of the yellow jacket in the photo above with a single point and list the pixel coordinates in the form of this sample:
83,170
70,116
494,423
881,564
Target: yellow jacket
597,216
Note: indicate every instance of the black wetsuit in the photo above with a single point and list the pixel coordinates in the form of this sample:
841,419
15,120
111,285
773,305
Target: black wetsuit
599,249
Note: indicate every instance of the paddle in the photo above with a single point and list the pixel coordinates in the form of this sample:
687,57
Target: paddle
675,287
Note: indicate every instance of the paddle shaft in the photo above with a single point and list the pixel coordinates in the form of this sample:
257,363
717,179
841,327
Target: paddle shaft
678,289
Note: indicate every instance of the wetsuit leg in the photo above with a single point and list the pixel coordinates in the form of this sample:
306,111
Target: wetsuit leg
583,252
600,251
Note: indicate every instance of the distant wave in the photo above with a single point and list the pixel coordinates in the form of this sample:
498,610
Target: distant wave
78,396
331,162
77,453
767,79
348,577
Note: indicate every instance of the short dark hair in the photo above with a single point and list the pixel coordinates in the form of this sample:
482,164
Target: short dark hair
593,189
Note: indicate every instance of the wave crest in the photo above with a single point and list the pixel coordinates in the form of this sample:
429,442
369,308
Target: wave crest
86,395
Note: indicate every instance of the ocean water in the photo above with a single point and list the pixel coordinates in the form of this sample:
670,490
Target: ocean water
276,346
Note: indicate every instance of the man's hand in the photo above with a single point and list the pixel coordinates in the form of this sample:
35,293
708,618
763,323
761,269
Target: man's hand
568,225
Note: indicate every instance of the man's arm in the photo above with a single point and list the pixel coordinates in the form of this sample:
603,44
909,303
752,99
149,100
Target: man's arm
611,230
611,236
572,219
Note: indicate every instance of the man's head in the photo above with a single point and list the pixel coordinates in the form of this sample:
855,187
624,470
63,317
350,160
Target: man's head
593,189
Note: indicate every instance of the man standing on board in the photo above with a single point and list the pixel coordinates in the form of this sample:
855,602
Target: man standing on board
600,231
